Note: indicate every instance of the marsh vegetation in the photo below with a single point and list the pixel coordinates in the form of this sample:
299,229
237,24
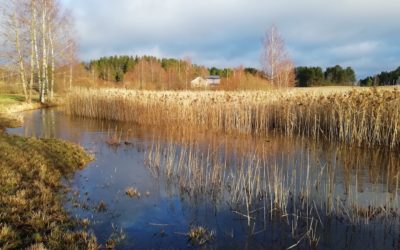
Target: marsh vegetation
32,212
304,189
32,189
242,189
368,117
251,162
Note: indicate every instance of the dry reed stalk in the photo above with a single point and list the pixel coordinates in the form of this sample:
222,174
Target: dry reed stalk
259,188
364,116
303,188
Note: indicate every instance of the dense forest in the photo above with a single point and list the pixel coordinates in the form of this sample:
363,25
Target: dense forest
384,78
228,72
314,76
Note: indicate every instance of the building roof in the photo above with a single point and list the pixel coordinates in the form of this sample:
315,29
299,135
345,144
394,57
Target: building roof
214,77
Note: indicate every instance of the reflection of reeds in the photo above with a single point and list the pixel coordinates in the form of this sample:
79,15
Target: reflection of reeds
369,117
259,187
114,138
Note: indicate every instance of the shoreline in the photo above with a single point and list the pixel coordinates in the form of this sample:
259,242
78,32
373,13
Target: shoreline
10,117
31,173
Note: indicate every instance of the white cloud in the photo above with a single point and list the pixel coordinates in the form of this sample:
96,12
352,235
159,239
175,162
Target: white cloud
226,32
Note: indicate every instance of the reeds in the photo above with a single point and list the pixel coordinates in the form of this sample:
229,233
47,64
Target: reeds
299,188
359,116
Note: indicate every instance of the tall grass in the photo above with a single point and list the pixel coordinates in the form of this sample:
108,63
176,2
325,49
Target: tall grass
355,116
303,190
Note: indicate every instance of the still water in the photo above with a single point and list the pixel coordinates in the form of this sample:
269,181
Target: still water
248,192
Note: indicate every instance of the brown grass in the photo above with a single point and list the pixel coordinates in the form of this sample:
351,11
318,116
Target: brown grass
32,213
132,192
199,235
361,116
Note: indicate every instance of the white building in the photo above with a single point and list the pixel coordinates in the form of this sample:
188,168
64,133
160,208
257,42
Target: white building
213,80
200,82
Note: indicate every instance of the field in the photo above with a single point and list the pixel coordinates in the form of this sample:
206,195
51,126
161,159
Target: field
361,116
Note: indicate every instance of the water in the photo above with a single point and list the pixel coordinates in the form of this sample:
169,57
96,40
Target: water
188,178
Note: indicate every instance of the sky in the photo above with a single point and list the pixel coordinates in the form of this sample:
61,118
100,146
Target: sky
363,34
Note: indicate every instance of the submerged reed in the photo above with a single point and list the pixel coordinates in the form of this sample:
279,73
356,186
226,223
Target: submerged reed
302,190
357,116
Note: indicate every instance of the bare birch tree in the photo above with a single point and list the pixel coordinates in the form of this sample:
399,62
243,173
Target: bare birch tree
37,39
18,47
13,32
32,32
275,61
45,80
35,69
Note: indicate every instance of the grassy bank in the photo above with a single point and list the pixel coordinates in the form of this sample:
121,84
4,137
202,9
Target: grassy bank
31,170
10,99
10,104
31,209
361,116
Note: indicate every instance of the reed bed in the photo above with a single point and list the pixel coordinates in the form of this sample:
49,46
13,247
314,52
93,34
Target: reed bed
368,117
245,178
303,191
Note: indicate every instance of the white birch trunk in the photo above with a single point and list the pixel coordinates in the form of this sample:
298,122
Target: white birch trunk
52,58
20,57
44,54
34,41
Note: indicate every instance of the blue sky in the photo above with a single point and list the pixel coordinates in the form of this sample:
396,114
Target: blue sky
364,34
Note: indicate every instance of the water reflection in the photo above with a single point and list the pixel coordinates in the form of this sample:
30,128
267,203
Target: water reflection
269,192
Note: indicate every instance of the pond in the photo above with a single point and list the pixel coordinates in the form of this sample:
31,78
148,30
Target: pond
149,187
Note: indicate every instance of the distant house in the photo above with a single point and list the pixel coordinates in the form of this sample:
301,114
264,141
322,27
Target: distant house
210,81
199,82
213,80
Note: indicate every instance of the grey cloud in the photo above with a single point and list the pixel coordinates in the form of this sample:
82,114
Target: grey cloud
364,34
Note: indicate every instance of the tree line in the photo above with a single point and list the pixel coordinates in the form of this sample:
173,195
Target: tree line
228,72
38,42
149,72
145,71
114,68
336,75
383,78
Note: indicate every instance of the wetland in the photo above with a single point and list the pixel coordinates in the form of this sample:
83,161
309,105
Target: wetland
160,186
